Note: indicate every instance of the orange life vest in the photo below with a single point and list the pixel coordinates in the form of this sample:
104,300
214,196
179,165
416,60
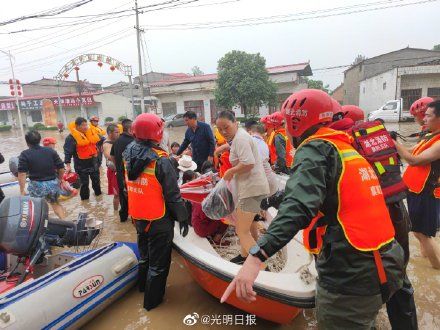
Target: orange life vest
145,194
273,151
362,212
224,163
85,143
416,177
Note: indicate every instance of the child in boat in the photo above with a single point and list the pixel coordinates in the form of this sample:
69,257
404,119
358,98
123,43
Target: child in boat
204,226
174,148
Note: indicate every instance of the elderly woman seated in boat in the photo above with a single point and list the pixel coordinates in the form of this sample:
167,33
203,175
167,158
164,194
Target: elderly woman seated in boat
252,184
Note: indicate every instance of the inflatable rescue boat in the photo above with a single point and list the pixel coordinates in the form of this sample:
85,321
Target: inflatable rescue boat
41,290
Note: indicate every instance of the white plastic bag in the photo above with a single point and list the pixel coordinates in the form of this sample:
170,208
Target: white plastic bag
221,201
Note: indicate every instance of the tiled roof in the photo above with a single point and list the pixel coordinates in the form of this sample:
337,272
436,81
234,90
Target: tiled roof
213,76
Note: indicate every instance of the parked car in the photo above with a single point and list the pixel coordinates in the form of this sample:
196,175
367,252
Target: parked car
391,112
175,121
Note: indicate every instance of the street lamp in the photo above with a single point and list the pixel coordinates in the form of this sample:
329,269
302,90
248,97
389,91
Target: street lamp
16,94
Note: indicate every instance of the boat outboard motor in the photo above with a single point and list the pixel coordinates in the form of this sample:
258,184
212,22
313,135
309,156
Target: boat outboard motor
26,231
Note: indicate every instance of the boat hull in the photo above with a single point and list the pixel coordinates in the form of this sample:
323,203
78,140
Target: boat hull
263,307
70,295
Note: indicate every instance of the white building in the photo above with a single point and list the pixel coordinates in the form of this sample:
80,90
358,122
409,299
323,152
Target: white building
407,82
196,92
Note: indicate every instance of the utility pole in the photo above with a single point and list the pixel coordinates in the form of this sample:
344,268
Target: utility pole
15,90
138,37
83,112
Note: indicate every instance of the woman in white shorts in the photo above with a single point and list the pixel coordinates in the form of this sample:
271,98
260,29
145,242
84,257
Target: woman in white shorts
247,169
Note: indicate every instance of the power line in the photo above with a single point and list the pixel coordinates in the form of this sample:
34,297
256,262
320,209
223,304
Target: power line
52,35
264,20
32,64
50,12
26,50
111,15
117,12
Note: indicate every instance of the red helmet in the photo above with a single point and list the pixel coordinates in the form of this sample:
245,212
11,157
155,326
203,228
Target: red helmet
353,112
148,126
70,177
305,109
336,106
265,121
418,108
276,119
49,140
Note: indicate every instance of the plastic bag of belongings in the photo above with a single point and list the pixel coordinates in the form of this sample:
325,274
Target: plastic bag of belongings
221,201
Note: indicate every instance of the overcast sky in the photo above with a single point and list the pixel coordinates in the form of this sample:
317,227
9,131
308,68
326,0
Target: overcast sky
324,41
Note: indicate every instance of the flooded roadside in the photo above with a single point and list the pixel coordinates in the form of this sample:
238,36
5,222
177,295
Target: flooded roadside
184,296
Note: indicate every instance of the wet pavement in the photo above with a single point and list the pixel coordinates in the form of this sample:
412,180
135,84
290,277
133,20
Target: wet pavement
183,295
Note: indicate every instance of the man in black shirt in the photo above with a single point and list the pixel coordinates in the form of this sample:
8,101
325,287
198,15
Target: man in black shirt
45,169
117,149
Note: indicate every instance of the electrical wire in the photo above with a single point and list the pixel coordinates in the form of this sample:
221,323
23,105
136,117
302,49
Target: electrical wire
263,20
51,36
33,64
50,12
87,20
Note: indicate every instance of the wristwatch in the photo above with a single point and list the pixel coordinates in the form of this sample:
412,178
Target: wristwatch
258,252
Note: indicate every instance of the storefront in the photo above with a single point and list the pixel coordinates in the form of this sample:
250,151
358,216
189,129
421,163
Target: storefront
46,110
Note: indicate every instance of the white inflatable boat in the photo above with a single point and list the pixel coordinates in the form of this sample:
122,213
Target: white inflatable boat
281,295
77,288
41,290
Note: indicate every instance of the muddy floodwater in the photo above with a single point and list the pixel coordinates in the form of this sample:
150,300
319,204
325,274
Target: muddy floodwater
183,295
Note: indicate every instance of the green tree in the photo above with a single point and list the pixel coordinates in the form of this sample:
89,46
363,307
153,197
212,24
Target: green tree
317,84
243,80
196,71
436,47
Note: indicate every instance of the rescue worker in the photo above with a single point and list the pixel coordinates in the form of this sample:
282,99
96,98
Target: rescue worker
422,178
353,112
154,203
80,145
418,109
360,264
280,148
268,127
94,125
401,306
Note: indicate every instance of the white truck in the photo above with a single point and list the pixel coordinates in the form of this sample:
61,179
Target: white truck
391,112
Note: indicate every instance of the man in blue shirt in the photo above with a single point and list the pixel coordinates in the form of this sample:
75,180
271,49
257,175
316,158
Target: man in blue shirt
201,138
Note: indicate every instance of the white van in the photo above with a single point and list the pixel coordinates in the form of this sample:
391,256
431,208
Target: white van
390,112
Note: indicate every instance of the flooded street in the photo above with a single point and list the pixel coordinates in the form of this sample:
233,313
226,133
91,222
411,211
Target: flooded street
183,295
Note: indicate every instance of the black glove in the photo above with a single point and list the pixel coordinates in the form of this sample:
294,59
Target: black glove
393,135
184,228
274,200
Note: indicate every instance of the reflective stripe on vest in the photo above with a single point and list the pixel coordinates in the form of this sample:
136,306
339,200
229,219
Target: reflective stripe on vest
416,177
362,212
273,151
145,194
